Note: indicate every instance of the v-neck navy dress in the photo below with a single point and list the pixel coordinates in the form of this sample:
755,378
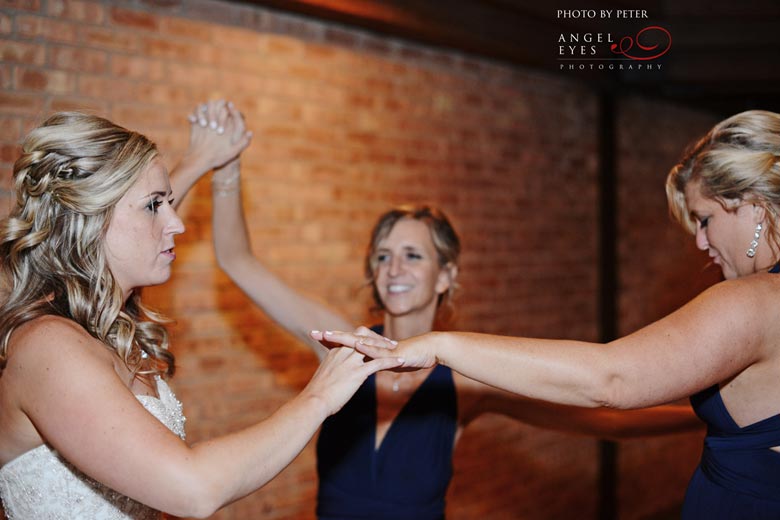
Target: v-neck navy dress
407,477
739,474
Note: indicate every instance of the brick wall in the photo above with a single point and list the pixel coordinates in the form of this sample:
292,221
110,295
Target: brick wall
346,125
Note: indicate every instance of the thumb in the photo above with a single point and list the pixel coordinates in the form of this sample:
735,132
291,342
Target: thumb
242,142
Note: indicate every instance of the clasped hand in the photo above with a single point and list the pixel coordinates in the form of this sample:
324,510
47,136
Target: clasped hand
413,353
218,133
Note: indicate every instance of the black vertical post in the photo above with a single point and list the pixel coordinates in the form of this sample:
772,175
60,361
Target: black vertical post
607,284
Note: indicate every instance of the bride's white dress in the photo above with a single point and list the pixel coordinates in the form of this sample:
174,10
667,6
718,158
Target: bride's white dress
41,485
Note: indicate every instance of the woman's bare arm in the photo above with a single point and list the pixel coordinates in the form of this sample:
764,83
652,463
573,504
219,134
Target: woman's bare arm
605,423
65,383
712,338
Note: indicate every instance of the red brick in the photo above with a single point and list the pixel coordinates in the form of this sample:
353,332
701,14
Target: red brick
283,46
46,29
24,5
5,24
138,116
133,67
6,187
14,103
81,11
135,20
78,59
110,39
190,29
79,104
103,87
189,74
163,94
236,38
9,152
10,128
155,47
19,52
5,76
51,81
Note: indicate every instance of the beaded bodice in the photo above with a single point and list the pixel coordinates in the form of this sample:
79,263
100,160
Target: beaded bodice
40,484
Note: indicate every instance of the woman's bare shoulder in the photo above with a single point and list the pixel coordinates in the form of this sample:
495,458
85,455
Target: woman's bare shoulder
52,338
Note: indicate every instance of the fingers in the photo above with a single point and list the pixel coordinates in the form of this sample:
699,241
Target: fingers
211,114
387,363
238,130
334,339
202,115
221,116
375,352
356,361
243,141
351,339
365,331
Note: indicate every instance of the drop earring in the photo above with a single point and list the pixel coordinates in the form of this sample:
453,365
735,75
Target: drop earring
751,252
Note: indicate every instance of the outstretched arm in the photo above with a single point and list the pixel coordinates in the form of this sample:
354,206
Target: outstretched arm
64,381
712,338
604,423
292,310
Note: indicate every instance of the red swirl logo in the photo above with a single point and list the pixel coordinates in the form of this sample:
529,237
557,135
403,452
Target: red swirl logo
627,43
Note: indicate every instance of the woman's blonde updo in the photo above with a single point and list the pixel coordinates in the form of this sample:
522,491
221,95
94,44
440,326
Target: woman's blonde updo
73,170
739,159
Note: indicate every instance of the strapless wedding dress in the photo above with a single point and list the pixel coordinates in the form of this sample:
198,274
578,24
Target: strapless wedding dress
41,485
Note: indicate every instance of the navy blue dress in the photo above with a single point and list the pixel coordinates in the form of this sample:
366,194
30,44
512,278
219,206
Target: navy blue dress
407,477
739,475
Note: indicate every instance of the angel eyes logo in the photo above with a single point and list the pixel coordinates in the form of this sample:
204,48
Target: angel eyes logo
644,52
612,51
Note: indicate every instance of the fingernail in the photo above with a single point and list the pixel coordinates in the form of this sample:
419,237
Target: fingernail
191,118
328,333
220,130
202,122
203,108
212,125
230,104
314,332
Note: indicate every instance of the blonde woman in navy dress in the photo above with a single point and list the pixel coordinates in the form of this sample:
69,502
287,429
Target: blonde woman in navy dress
722,348
388,453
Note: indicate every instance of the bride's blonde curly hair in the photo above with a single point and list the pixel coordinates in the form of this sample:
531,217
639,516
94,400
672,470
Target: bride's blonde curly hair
73,170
